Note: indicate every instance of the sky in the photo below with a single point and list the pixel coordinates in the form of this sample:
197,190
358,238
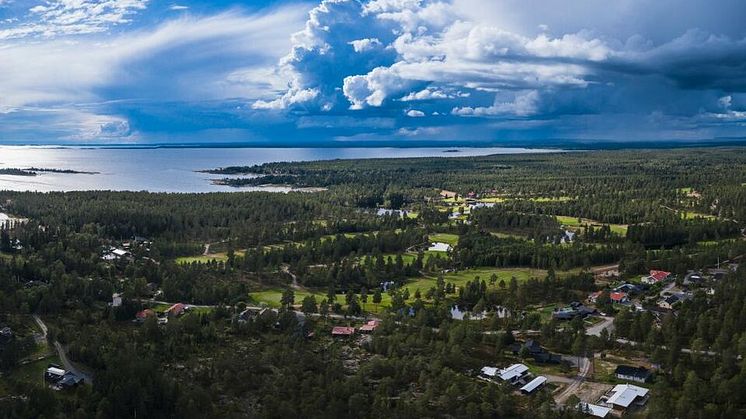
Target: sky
370,71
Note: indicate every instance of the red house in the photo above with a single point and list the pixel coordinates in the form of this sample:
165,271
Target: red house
618,297
656,277
176,310
142,315
369,327
343,331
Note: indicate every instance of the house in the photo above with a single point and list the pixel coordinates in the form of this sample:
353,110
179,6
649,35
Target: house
568,237
343,331
54,373
693,278
481,205
655,277
575,310
440,247
618,297
144,314
488,372
534,385
513,374
69,380
636,374
673,299
623,395
447,194
535,351
629,288
116,300
176,310
369,327
593,409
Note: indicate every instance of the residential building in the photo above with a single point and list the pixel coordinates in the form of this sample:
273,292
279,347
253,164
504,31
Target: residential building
594,409
636,374
622,396
534,385
54,373
656,277
513,374
176,310
619,297
116,300
343,331
369,327
440,247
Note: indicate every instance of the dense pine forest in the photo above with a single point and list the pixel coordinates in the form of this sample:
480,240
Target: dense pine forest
238,304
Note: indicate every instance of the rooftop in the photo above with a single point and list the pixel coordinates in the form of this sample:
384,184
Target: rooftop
624,394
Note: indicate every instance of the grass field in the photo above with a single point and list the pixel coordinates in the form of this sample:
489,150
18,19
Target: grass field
451,239
573,222
272,296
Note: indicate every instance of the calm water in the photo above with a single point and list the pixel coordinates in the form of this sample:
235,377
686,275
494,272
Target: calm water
174,170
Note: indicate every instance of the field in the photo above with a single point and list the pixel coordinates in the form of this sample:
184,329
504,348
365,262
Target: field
574,222
451,239
272,296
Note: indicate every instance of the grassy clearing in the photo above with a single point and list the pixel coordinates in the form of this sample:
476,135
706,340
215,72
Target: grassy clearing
272,296
575,222
451,239
690,215
218,257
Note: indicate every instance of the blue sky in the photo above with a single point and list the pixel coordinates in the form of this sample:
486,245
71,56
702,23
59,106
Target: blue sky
348,71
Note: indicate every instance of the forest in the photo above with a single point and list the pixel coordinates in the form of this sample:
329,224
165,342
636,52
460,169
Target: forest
264,279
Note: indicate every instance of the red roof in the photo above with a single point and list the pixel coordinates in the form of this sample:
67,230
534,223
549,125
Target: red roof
176,309
617,296
659,275
145,313
370,326
343,331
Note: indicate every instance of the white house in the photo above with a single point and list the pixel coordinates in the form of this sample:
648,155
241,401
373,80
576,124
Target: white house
594,409
440,247
624,395
513,373
533,385
116,300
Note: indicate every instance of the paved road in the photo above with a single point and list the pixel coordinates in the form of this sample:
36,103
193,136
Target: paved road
69,366
595,330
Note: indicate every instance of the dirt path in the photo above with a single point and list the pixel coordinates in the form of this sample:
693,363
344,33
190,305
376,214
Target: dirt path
286,269
585,368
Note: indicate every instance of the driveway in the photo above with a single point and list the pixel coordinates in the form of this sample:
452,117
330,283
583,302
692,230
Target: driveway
606,323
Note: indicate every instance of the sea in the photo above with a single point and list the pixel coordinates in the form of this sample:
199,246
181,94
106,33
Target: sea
177,170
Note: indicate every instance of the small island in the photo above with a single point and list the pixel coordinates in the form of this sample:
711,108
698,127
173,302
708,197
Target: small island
34,171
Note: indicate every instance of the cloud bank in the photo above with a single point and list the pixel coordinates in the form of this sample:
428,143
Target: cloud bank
344,70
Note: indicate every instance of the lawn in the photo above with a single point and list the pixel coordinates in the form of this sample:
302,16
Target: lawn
451,239
218,257
574,222
272,297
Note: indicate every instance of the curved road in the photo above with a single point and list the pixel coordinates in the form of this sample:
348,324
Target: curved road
69,366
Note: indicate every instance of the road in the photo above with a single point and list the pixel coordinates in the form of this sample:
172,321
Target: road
572,387
69,366
595,330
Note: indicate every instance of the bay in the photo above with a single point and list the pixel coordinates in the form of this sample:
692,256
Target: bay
177,169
